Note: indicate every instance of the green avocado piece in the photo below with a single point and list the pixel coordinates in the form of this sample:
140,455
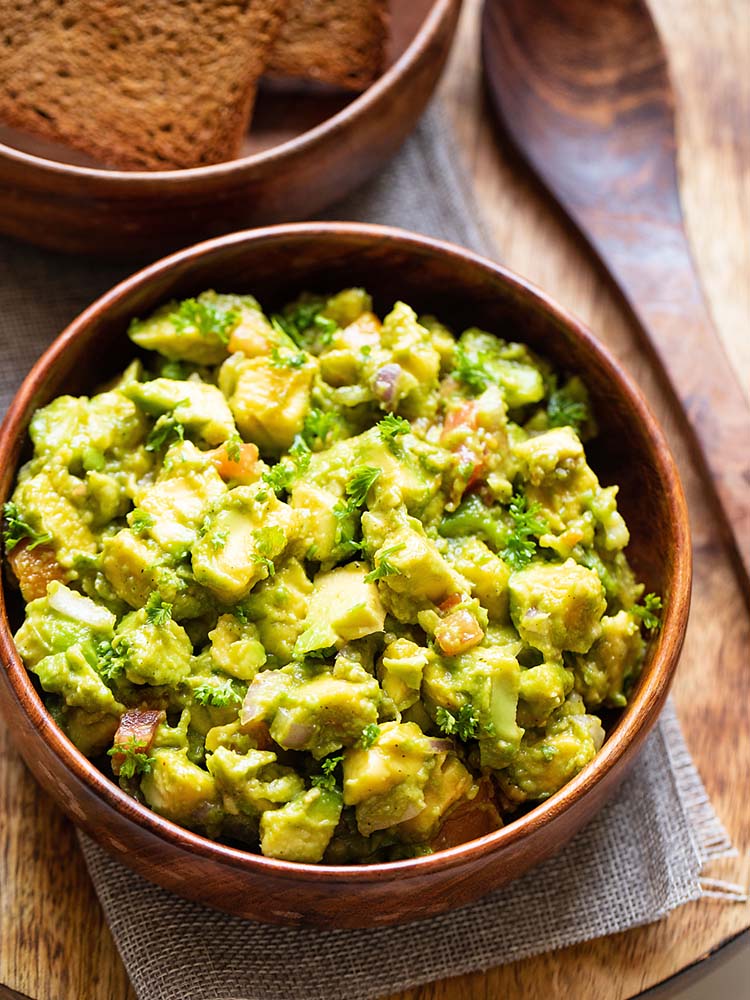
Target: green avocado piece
195,330
178,789
199,407
156,653
302,829
557,606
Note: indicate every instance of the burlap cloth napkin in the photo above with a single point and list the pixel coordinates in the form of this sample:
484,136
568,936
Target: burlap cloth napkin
637,860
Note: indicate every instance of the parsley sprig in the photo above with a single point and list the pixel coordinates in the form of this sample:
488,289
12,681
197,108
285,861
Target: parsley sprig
167,429
205,319
565,411
288,359
158,611
522,543
470,370
649,613
384,567
369,734
391,428
305,324
111,659
360,482
220,695
327,780
17,528
135,759
268,542
318,425
463,724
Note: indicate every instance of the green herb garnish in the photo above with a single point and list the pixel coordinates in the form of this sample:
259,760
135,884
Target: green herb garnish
158,611
17,528
369,734
463,724
649,613
140,522
359,483
384,566
205,319
327,780
136,760
565,411
392,427
166,430
522,544
216,695
279,360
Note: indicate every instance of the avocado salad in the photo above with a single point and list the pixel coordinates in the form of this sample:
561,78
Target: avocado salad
331,587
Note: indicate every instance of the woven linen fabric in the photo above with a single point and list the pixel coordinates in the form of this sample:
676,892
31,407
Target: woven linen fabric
636,861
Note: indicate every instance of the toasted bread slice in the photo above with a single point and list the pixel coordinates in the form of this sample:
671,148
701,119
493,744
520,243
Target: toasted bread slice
137,84
340,42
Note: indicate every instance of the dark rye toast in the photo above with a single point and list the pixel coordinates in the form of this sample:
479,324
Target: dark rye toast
339,42
136,84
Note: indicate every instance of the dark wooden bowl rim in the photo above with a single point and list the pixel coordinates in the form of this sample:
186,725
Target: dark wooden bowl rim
647,700
237,166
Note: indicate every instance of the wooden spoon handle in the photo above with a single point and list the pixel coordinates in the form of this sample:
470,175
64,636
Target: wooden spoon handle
651,262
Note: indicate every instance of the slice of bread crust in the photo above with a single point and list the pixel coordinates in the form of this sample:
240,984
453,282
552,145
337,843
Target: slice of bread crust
136,84
339,42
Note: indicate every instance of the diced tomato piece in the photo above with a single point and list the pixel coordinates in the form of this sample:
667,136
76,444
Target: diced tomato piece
243,469
136,732
464,415
35,568
458,632
449,602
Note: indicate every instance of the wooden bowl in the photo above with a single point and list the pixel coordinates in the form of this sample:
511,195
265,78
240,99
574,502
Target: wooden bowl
462,288
303,153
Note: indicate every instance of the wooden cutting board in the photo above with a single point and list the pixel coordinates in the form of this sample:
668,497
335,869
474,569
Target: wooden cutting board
54,944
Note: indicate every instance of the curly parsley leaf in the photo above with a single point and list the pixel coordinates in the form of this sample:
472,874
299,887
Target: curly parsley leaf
17,528
158,611
327,780
287,359
359,483
220,695
521,546
318,425
268,542
369,734
563,410
306,325
233,447
391,428
464,723
111,660
649,613
205,319
470,370
384,567
166,430
135,759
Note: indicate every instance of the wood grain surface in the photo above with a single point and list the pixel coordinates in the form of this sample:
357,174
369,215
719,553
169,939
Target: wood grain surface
53,943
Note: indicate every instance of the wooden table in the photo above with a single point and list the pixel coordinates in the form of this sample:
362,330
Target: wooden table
54,944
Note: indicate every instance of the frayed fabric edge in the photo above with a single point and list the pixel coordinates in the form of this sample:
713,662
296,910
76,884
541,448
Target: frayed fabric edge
710,836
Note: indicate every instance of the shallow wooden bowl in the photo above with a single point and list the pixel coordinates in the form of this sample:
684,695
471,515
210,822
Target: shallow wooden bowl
304,151
463,289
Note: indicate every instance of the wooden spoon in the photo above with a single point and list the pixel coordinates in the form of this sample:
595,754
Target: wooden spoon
583,89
